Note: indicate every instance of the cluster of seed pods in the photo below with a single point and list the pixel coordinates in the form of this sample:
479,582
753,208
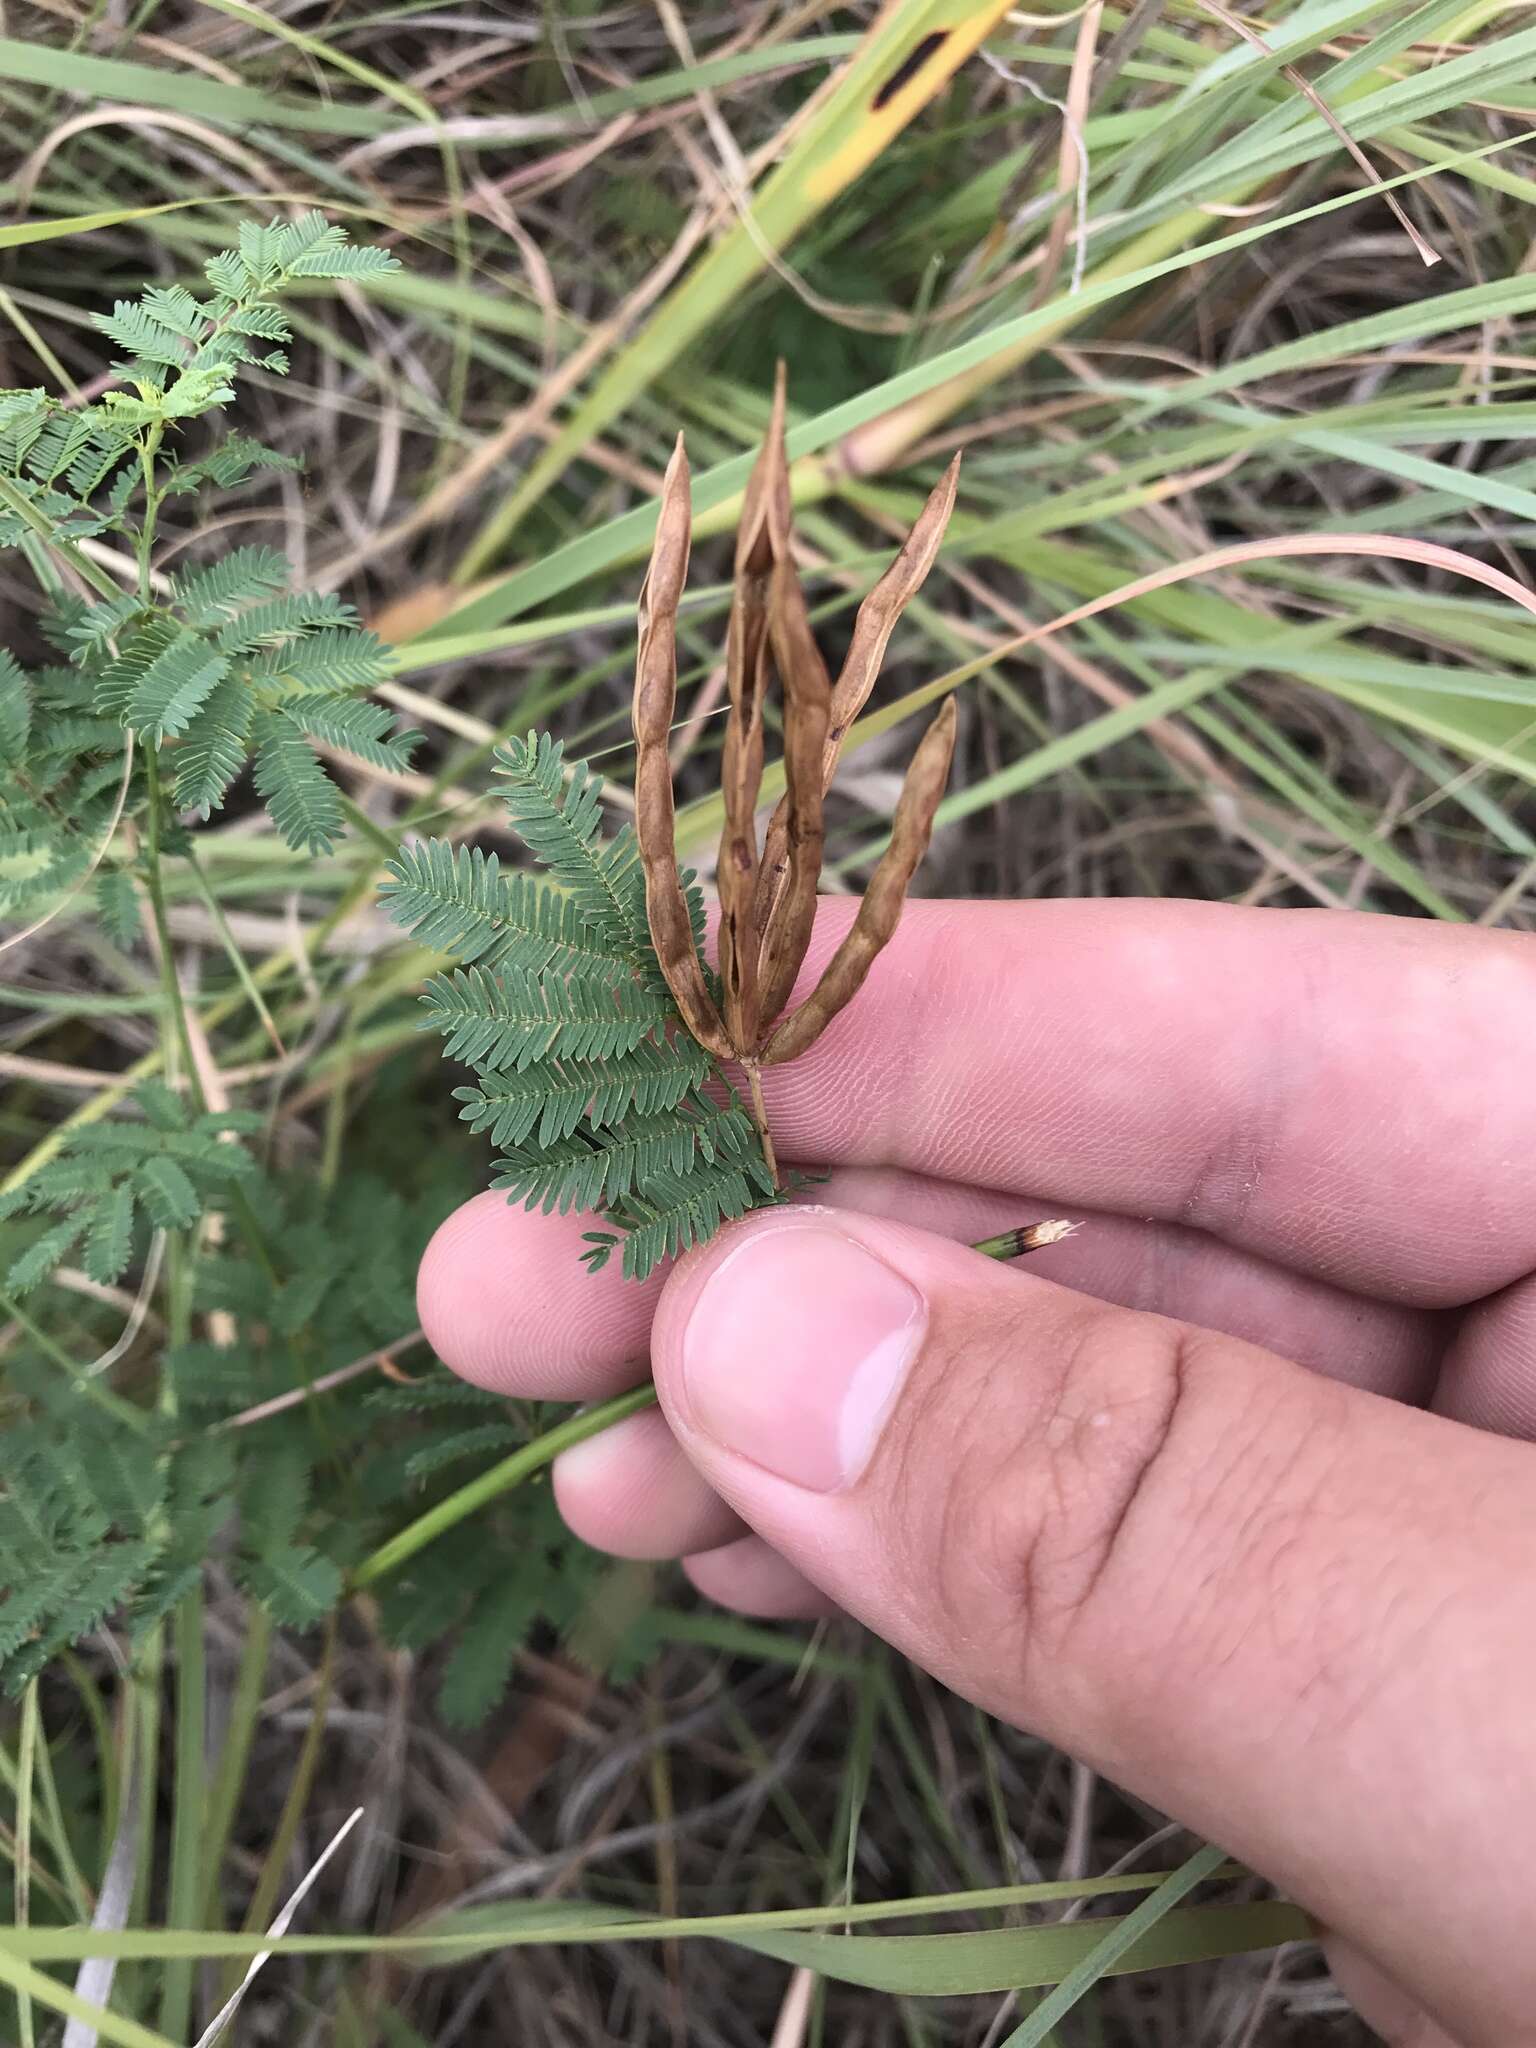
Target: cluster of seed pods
768,895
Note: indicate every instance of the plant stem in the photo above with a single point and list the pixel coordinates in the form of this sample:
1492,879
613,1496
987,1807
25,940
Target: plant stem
531,1458
264,1898
26,1762
146,541
365,827
185,1891
754,1074
112,1772
230,1779
1032,1237
154,879
232,951
186,1886
499,1479
143,1730
58,1831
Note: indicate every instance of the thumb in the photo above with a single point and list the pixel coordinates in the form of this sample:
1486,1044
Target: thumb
1256,1597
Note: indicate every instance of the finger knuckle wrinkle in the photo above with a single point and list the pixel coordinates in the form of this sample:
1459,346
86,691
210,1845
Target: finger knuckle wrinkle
1060,1509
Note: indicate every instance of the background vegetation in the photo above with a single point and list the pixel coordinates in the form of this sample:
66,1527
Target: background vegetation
1135,259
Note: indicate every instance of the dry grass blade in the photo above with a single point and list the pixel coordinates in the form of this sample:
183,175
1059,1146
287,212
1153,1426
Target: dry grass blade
1426,255
881,907
1072,161
791,873
113,1908
655,696
877,619
746,665
276,1931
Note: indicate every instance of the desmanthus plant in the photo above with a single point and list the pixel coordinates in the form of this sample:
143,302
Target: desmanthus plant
206,1428
603,1043
226,661
164,690
602,1040
606,1052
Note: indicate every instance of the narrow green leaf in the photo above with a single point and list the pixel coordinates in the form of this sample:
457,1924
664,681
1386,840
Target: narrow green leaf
1118,1942
189,92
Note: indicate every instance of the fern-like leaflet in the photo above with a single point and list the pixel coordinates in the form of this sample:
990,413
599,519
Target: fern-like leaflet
584,1073
160,1170
215,667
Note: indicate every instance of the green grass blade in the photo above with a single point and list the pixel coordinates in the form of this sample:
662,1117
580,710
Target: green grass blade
27,1981
184,92
917,1965
715,490
1109,1952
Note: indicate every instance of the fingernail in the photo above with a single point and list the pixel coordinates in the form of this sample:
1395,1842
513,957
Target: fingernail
796,1349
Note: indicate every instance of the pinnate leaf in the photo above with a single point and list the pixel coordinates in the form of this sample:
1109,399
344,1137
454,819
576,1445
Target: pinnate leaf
109,1241
303,800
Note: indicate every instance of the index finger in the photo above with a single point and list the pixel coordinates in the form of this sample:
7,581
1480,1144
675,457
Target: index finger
1348,1094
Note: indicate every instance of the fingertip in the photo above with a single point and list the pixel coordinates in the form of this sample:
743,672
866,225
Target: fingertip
630,1491
505,1301
751,1577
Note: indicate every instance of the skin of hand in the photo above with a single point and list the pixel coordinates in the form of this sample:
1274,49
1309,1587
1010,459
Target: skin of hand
1231,1495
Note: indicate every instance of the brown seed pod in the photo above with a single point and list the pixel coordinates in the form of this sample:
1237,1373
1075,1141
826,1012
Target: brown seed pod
807,707
741,772
786,916
881,907
655,696
877,619
880,613
768,906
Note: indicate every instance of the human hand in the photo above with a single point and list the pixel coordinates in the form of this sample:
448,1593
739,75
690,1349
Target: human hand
1296,1615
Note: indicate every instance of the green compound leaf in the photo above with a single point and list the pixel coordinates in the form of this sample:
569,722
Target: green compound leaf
117,905
514,1018
556,812
332,658
243,577
213,747
15,707
358,725
553,1097
304,802
586,1079
456,899
295,1582
109,1242
593,1167
171,689
169,1195
675,1211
